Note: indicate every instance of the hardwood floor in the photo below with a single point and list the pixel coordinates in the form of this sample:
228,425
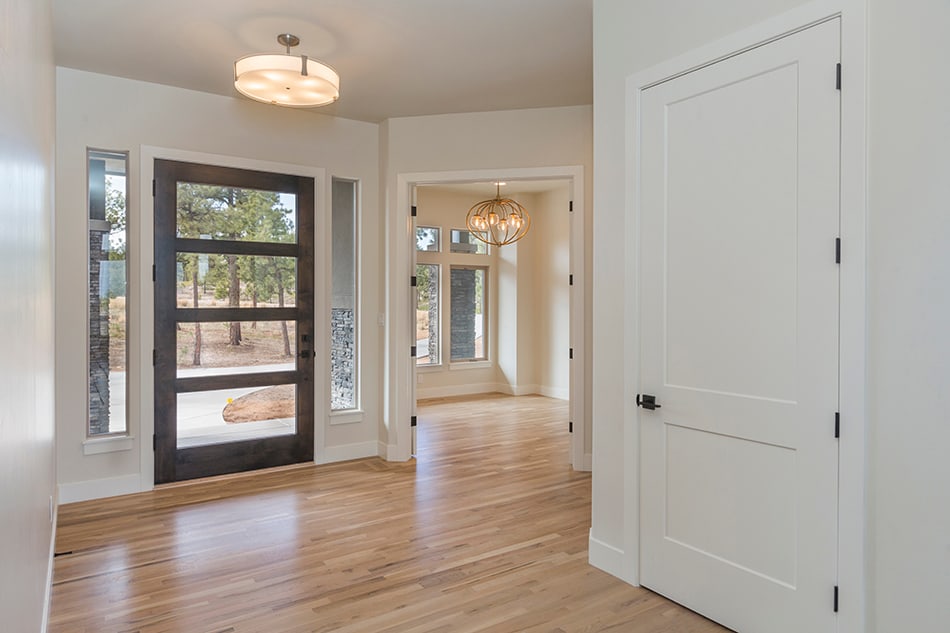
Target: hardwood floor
486,531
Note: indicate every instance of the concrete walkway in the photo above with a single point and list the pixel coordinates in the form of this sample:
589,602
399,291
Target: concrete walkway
200,419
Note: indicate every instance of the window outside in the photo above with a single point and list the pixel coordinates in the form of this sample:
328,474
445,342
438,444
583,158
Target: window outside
428,239
427,314
107,291
464,242
344,392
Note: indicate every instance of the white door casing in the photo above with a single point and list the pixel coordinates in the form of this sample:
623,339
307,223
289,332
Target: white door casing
739,291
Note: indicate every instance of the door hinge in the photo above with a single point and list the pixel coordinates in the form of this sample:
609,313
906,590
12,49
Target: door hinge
153,272
153,187
570,206
838,76
570,427
570,280
836,599
412,351
154,357
154,441
837,250
837,424
413,210
413,281
570,354
412,421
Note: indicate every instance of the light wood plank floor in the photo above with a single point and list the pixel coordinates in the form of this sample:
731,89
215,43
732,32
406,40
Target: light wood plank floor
487,531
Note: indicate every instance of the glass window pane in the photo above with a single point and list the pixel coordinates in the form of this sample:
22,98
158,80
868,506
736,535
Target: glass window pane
230,415
230,213
465,242
468,328
107,292
428,238
235,281
208,349
427,314
343,339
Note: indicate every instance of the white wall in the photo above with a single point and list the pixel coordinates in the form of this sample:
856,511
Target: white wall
548,137
552,299
27,469
909,266
118,114
909,313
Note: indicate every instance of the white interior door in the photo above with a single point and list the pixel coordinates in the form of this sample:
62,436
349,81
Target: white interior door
739,214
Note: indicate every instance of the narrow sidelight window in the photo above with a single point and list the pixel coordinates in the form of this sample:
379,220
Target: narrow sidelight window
344,339
107,291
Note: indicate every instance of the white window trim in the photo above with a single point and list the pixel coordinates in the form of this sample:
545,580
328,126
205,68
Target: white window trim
108,444
357,409
462,365
346,416
127,433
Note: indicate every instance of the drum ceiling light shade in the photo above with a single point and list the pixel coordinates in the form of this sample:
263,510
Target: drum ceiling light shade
295,81
498,221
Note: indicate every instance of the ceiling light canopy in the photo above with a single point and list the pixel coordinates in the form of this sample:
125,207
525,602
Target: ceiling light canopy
498,221
295,81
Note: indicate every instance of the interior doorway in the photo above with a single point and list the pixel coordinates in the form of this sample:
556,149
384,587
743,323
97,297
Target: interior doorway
434,366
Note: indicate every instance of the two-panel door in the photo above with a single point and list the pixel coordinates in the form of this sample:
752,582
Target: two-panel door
738,294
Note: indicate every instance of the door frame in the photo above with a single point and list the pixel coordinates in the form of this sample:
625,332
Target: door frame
399,379
852,375
143,312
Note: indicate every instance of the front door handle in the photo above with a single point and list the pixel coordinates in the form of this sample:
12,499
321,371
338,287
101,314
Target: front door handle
647,402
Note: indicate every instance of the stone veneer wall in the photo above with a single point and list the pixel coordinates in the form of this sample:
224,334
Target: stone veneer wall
98,337
462,327
342,359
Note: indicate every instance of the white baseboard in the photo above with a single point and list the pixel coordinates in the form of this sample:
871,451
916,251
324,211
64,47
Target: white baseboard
519,390
587,465
99,488
347,452
561,393
390,452
605,557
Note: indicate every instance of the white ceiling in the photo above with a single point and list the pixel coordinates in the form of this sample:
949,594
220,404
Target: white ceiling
395,57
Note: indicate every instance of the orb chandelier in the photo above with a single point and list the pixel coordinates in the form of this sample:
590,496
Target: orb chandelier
498,221
295,81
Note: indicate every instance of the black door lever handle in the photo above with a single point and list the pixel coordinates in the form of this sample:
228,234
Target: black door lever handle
647,402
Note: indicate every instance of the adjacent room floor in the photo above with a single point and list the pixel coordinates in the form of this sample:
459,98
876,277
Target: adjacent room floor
486,531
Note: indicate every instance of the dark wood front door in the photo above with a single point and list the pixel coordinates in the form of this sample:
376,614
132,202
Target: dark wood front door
234,306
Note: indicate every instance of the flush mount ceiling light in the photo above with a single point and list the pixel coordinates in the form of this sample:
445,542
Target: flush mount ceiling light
498,221
295,81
